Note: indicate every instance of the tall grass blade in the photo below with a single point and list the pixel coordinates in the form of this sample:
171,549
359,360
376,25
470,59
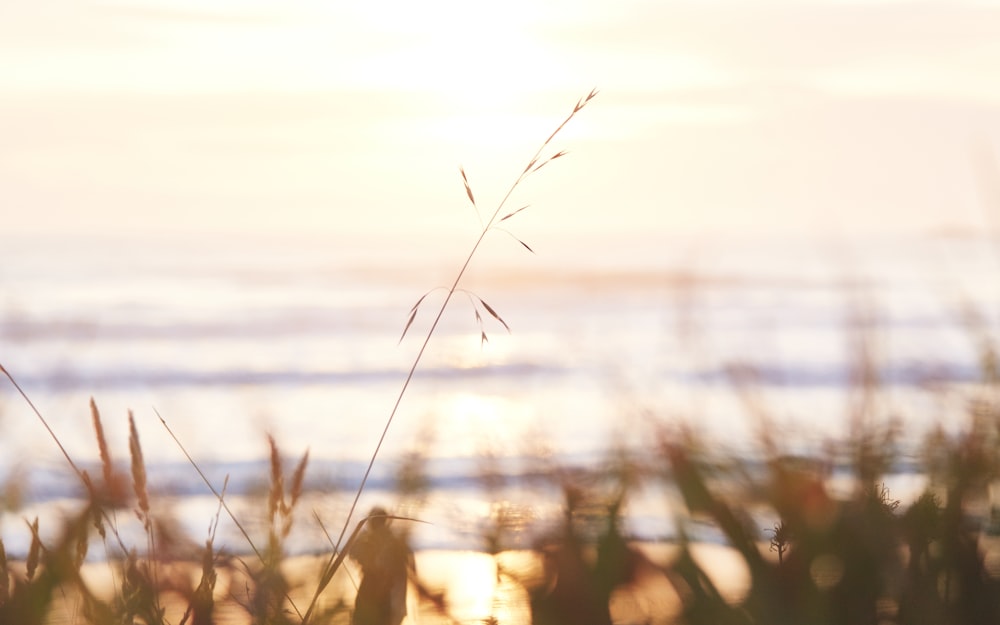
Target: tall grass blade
45,423
335,560
216,493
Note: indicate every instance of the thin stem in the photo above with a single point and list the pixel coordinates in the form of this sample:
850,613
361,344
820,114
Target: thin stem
338,555
45,423
218,495
222,501
80,474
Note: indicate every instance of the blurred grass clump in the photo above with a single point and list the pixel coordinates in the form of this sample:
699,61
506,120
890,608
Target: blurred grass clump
831,556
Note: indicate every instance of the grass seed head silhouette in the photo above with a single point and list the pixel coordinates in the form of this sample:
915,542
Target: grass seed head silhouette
536,162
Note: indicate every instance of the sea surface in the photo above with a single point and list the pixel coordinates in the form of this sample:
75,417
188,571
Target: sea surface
612,343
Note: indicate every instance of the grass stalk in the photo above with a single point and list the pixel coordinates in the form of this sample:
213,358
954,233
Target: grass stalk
107,467
218,495
140,584
534,164
45,423
275,469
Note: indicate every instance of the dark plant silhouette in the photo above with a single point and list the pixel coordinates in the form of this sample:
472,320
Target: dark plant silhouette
386,563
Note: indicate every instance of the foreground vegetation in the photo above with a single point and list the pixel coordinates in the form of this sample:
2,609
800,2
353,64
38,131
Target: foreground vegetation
860,557
854,557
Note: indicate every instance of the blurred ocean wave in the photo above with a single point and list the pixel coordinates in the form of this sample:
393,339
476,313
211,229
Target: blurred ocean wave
228,338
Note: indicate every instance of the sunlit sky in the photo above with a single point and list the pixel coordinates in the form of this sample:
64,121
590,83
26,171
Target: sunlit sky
328,116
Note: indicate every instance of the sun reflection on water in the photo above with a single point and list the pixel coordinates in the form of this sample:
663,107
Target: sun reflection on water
479,587
473,423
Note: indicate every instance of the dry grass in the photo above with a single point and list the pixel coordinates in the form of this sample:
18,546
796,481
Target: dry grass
862,558
141,580
534,164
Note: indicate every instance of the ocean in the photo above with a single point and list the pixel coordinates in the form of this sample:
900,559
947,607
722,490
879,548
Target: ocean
612,341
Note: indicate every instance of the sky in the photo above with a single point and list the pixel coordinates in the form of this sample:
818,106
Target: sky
354,117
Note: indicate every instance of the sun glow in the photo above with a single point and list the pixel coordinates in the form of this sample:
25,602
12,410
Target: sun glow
479,61
210,113
472,423
481,53
468,406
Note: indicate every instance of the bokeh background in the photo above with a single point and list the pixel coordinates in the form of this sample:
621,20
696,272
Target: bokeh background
330,117
224,210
